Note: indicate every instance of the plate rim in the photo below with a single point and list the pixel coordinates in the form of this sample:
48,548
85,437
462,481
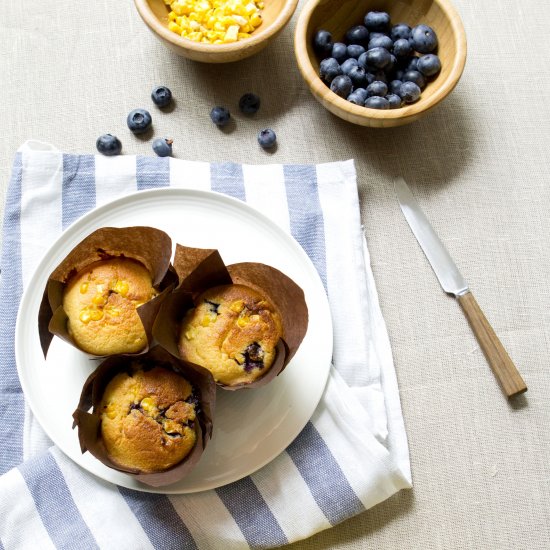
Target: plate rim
76,228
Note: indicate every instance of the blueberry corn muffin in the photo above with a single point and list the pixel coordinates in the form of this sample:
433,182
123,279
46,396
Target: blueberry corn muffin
148,419
232,332
101,301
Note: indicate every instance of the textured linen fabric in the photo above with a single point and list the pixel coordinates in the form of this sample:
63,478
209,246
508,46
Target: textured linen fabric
351,455
478,166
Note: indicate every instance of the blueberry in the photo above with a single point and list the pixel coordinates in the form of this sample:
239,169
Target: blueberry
391,65
394,86
161,96
220,116
394,100
409,92
377,88
416,77
412,63
374,35
369,78
355,50
253,357
329,68
401,30
363,61
108,145
381,41
357,35
380,75
342,85
339,52
162,147
402,47
139,121
357,75
377,21
267,138
423,39
322,42
358,96
348,65
378,58
398,74
377,102
429,64
249,103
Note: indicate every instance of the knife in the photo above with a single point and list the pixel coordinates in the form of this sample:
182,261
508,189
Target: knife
453,283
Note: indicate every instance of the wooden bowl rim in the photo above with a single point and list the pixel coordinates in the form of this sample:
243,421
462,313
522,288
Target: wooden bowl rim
258,36
319,88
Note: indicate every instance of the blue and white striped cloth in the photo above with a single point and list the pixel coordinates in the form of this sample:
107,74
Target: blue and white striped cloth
352,454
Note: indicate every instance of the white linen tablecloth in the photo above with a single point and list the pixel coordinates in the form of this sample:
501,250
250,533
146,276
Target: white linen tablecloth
352,454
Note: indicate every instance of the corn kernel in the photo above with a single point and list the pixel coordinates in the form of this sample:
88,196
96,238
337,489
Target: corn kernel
237,306
256,20
174,27
229,20
242,322
148,405
122,288
99,300
84,316
96,314
83,288
111,411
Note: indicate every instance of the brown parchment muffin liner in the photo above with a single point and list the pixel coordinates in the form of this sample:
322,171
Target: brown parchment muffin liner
88,421
147,245
199,269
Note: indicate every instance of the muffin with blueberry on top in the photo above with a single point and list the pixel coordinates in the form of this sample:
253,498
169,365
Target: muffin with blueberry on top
232,331
148,419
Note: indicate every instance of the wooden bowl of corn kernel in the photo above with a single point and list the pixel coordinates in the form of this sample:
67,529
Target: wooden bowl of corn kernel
216,31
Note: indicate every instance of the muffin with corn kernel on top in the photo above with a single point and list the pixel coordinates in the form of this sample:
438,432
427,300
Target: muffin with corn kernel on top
101,304
233,332
148,419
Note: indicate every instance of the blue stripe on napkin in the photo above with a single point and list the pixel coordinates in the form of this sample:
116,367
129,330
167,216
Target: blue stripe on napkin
152,172
78,192
306,216
227,178
11,288
159,519
252,514
55,504
316,463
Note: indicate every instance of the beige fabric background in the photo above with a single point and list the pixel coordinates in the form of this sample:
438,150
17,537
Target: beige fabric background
71,71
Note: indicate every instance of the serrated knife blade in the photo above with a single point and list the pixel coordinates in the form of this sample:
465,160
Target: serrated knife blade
453,283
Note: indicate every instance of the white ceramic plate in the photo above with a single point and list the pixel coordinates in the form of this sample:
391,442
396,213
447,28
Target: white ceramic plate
251,427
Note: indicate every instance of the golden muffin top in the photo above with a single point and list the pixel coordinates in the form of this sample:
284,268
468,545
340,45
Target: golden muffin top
101,302
233,332
148,419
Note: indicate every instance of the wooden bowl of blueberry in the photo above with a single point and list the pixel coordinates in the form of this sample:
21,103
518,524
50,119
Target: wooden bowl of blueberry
380,63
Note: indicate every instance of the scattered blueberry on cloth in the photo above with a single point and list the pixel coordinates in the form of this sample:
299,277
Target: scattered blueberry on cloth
351,455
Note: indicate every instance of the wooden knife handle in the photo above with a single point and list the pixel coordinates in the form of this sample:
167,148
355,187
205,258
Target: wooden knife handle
509,378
